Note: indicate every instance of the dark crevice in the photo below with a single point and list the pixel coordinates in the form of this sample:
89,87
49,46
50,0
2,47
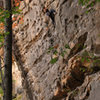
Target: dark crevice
79,79
78,46
64,1
76,17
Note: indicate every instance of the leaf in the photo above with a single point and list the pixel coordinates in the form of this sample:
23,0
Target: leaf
87,12
97,0
83,69
55,52
15,8
51,48
67,46
1,37
65,51
54,60
81,2
6,33
2,20
16,11
97,61
1,9
88,60
7,15
1,40
62,54
82,59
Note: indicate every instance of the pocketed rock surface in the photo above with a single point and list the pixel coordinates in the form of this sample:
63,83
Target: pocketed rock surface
76,26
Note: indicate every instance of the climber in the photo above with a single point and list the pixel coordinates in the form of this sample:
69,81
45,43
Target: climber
51,13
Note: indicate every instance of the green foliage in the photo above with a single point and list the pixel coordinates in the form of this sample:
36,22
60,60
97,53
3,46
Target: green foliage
1,91
84,2
88,4
16,10
67,46
97,60
88,60
81,2
3,15
54,51
6,33
54,60
89,57
57,54
83,69
2,35
50,49
82,59
85,57
87,12
63,53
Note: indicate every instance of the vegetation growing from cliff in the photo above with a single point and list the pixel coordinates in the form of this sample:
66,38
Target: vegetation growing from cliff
56,54
90,2
86,56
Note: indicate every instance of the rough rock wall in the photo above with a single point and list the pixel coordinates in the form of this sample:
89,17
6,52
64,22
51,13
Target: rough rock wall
17,83
90,89
31,40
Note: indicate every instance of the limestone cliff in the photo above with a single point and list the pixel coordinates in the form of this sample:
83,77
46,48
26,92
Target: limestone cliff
77,26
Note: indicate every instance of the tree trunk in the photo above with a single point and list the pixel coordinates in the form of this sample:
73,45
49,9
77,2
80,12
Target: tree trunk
2,78
8,54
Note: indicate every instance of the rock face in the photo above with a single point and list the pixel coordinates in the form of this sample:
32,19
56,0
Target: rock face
77,26
17,84
89,90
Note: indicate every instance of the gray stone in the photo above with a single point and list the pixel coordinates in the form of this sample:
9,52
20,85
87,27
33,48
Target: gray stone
37,34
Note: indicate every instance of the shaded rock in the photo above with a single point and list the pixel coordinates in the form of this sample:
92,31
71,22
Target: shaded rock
89,89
